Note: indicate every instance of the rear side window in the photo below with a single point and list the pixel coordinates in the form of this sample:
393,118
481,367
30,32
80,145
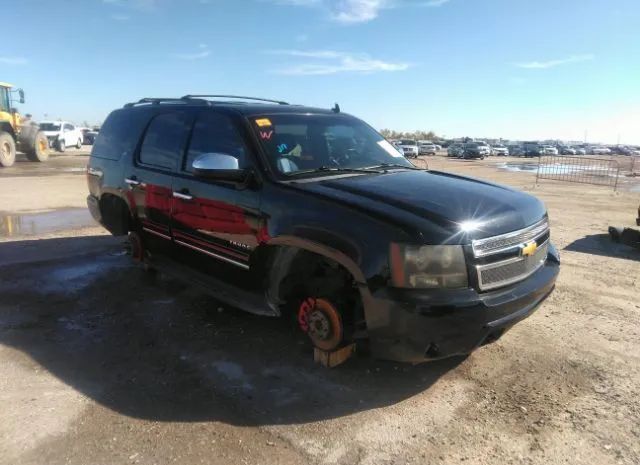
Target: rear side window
120,133
164,140
215,133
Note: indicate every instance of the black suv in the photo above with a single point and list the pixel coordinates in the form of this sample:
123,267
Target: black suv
290,210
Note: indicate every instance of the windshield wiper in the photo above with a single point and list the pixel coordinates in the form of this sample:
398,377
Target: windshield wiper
332,169
391,165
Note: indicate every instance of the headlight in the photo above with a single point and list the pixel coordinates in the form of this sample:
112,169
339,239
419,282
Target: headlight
428,266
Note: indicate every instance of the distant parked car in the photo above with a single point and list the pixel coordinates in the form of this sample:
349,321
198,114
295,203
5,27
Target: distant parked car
600,150
427,148
622,150
61,134
516,151
89,136
476,150
409,148
580,151
455,150
550,150
500,150
533,149
568,151
438,147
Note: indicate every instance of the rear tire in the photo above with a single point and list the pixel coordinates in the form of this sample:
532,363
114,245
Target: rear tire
61,146
7,149
79,144
40,149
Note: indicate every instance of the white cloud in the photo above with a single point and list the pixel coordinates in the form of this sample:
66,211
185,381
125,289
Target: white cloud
326,62
554,63
358,11
13,60
203,52
135,4
435,3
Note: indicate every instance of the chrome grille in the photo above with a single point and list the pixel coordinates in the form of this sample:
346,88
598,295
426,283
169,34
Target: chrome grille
509,271
512,240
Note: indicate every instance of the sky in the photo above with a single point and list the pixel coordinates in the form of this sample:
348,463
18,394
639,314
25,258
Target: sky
516,69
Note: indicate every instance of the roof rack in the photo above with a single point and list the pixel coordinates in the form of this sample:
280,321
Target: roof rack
239,97
157,101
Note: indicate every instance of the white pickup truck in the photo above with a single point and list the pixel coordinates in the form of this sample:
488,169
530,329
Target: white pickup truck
62,134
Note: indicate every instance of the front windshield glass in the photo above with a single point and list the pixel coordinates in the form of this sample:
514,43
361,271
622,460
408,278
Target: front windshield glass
50,126
408,142
302,143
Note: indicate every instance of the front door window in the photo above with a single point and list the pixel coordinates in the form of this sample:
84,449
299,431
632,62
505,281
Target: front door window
4,99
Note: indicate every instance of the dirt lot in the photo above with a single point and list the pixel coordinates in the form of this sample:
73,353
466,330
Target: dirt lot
102,364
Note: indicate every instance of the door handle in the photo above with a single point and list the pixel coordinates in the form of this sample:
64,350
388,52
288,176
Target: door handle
184,195
132,181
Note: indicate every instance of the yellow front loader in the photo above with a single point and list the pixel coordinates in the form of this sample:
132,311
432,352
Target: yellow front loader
17,133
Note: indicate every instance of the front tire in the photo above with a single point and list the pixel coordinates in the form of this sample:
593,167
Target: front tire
39,151
7,149
61,145
79,144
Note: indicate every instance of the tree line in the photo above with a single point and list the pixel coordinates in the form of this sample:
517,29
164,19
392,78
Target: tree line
416,135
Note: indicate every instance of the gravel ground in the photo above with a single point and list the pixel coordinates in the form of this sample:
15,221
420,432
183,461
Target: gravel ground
101,363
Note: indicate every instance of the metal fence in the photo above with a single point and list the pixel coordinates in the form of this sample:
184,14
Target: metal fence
585,170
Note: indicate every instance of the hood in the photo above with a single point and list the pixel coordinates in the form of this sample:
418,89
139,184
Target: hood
435,203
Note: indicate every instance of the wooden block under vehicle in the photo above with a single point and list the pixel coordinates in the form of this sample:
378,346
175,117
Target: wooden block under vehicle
333,358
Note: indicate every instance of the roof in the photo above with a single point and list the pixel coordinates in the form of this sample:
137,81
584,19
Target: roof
257,109
5,84
245,107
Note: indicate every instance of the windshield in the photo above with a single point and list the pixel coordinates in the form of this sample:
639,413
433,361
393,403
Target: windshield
408,142
50,126
302,143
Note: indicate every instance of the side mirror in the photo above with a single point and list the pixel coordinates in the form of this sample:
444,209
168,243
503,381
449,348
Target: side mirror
21,94
218,166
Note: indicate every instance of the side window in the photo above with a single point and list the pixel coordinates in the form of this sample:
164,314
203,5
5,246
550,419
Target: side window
71,127
215,133
4,99
164,140
120,133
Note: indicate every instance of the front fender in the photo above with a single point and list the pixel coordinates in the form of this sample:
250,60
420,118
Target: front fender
343,257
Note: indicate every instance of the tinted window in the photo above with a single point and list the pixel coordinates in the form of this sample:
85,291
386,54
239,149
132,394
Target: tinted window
50,126
4,99
119,134
164,140
306,142
215,133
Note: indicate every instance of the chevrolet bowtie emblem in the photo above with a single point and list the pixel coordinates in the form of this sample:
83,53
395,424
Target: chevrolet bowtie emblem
528,249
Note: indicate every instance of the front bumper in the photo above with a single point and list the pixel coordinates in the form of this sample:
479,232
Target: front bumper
417,325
